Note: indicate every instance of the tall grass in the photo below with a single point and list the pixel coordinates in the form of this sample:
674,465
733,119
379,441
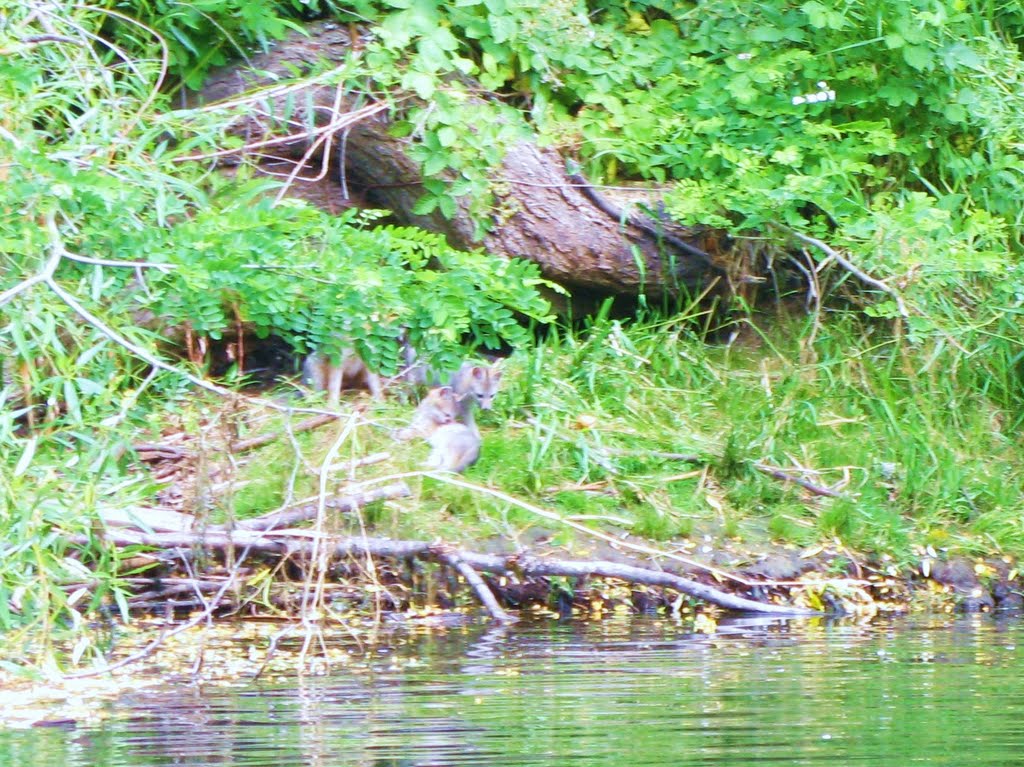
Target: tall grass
648,428
921,456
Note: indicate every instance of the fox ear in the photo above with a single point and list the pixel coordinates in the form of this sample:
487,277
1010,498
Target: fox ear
477,372
445,391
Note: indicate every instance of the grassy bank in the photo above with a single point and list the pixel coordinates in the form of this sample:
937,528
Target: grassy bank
896,401
646,428
642,433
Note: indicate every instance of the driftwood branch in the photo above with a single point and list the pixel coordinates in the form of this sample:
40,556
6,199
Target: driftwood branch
617,542
299,542
483,593
265,439
300,513
779,474
147,451
771,471
347,466
167,588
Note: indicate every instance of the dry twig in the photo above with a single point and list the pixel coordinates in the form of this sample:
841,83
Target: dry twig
265,439
306,511
779,474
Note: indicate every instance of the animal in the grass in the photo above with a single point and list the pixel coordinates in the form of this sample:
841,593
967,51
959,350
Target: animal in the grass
475,386
321,373
453,447
456,446
438,408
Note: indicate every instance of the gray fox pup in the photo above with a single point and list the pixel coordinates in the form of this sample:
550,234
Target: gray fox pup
454,447
474,386
438,408
320,374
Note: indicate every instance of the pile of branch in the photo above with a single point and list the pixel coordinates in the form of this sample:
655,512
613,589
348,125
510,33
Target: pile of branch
305,544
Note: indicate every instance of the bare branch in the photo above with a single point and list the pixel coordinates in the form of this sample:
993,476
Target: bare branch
306,511
618,542
355,463
852,268
346,120
309,543
805,484
57,252
264,439
483,593
110,262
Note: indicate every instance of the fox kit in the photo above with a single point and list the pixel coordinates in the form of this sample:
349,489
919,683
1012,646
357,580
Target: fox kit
475,386
321,374
454,447
439,408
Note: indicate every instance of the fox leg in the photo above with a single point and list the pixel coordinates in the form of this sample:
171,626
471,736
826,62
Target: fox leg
335,373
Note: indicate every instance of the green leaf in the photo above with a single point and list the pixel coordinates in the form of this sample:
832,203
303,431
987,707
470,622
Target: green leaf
431,58
425,205
27,454
961,55
816,13
447,136
449,206
955,113
435,164
503,28
443,38
421,83
918,57
401,128
395,32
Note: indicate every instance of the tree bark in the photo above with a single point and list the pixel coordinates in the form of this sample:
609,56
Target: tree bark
577,236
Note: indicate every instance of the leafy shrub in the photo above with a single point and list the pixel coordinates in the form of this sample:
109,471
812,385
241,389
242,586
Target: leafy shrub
107,232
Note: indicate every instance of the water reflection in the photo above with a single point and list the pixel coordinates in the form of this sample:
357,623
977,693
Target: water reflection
620,692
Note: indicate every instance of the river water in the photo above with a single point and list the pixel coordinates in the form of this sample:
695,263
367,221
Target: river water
624,692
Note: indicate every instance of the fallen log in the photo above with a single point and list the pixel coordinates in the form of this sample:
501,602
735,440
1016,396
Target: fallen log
304,543
483,593
542,212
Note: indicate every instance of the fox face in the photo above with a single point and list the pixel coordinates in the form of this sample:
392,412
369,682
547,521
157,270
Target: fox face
479,384
442,405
